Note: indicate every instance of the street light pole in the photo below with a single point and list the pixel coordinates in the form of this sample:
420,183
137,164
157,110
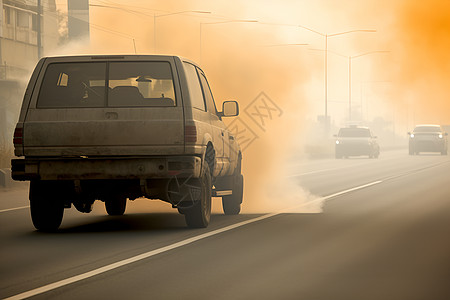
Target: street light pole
171,14
326,84
349,88
221,22
39,30
326,36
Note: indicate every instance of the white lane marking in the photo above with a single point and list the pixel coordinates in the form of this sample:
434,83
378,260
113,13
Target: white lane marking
322,199
15,208
185,242
351,190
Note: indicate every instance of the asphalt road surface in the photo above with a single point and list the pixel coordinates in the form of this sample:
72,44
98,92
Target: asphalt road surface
384,233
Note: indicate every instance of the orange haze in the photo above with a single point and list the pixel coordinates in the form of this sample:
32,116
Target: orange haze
422,45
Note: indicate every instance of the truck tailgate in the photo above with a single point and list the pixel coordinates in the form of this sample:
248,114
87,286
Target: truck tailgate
104,131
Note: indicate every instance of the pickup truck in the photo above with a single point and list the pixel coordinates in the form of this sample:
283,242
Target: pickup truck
116,128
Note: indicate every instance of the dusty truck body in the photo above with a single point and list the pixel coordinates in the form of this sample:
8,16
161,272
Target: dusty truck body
113,128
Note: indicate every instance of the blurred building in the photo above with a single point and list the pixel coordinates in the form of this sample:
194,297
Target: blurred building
78,19
19,53
19,35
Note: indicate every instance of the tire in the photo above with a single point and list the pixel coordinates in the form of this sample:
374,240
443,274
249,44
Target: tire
199,215
116,205
338,156
377,154
232,204
46,209
444,152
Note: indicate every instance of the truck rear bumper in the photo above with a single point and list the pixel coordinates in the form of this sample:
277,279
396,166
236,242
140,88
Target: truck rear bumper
105,168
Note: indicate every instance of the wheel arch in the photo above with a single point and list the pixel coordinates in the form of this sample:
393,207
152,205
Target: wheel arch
209,156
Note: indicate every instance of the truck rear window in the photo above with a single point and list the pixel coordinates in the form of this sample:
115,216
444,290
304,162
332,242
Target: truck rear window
125,84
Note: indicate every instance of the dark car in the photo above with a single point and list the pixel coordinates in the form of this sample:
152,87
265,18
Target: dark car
428,138
356,141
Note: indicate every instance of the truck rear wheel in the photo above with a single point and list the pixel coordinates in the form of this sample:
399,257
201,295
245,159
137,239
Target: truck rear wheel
232,204
46,209
116,205
199,215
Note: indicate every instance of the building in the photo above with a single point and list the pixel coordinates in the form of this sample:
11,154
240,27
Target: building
19,53
78,19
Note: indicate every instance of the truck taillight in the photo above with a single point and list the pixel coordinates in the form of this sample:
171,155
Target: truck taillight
18,136
190,134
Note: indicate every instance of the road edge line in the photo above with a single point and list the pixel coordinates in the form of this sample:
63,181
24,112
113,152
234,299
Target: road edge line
15,208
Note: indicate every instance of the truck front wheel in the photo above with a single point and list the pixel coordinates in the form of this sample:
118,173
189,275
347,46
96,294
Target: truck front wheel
199,214
46,209
232,204
116,205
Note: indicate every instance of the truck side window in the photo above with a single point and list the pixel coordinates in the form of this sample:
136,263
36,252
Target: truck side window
195,89
208,94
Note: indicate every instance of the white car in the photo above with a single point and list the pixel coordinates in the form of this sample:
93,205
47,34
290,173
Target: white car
356,141
428,138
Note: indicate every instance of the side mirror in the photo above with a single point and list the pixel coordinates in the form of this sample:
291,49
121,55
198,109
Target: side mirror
229,109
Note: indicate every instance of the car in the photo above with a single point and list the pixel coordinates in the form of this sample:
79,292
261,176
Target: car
356,141
428,138
119,127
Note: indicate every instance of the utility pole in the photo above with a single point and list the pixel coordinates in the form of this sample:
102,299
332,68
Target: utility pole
39,30
349,88
326,36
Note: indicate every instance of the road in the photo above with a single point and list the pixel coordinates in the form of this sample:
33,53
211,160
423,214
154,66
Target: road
383,234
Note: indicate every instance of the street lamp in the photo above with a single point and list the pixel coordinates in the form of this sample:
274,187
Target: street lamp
350,78
326,36
171,14
221,22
